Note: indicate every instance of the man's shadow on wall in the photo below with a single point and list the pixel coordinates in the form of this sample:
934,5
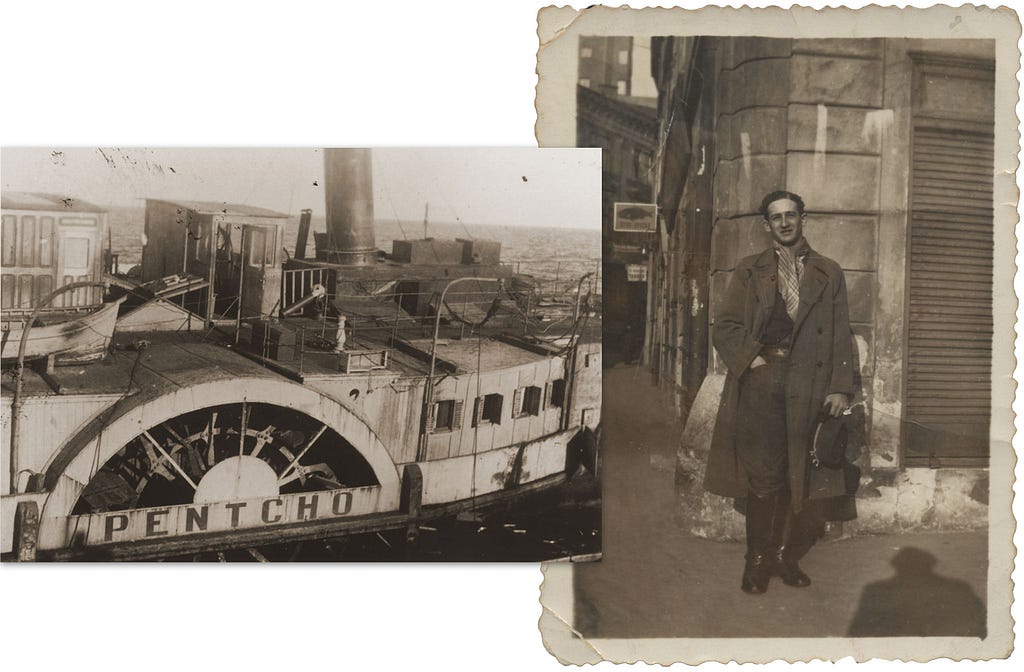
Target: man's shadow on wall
917,602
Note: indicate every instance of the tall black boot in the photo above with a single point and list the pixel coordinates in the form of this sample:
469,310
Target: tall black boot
783,546
758,569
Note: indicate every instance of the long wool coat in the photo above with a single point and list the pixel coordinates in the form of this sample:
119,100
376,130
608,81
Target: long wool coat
821,363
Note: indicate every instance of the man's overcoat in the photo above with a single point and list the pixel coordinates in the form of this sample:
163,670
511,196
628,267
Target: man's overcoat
820,363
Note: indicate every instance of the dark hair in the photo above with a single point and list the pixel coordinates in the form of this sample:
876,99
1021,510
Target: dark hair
778,196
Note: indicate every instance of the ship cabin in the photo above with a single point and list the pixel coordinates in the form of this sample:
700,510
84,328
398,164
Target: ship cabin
49,241
220,257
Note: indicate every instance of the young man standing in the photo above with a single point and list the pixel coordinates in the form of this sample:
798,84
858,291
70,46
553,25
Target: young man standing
783,332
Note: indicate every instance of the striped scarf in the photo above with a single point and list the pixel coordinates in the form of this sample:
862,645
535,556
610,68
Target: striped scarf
791,272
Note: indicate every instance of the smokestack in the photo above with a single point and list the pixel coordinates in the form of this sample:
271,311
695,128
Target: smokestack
348,180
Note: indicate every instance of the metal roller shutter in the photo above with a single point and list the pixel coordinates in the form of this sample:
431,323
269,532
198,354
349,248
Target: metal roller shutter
950,294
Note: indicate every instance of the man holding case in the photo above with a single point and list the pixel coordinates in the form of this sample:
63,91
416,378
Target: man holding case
783,332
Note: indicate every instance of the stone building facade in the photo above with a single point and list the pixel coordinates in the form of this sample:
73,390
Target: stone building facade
889,141
625,130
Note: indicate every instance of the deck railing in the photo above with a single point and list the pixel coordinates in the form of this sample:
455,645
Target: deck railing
297,283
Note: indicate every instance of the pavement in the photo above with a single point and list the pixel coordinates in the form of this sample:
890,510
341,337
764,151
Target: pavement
655,579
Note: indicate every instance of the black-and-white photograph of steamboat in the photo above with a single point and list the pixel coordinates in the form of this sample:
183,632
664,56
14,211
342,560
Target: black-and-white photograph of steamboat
300,354
799,349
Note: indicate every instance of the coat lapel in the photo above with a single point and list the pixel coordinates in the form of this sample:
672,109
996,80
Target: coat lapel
811,286
767,283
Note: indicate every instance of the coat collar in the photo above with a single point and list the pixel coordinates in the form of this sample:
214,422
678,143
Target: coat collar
814,281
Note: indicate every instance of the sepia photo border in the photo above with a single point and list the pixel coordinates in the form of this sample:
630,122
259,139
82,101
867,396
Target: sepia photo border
558,30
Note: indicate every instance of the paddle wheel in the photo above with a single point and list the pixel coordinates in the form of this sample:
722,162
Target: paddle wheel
235,451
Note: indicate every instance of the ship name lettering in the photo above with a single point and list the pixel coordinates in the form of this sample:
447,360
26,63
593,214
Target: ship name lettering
191,518
303,508
266,510
235,508
152,523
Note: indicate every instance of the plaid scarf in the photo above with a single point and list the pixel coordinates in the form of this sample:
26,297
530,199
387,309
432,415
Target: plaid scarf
791,272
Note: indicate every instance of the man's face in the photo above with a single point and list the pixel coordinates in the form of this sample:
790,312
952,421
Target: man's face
784,223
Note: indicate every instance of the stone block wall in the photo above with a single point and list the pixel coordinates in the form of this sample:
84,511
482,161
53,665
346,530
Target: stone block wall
803,115
829,120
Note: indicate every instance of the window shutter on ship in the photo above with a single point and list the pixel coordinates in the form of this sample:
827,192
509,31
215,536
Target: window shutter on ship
431,417
478,411
457,415
948,399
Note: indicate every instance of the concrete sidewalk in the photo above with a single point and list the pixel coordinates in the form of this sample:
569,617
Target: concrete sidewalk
657,580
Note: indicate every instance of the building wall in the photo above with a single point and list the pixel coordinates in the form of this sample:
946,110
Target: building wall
831,121
606,64
626,134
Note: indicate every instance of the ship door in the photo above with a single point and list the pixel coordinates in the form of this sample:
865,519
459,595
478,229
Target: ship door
261,271
78,246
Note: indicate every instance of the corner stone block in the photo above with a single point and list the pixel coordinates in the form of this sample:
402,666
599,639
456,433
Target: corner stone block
916,506
739,189
864,48
862,344
746,49
716,292
765,129
725,179
835,80
848,239
846,129
733,239
860,290
958,505
837,182
759,83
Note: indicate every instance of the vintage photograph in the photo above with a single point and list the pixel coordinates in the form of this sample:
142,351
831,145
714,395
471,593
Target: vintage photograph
300,354
806,420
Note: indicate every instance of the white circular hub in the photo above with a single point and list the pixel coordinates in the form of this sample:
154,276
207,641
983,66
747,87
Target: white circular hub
239,477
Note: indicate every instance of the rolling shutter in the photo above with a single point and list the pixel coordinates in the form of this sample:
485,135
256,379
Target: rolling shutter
950,293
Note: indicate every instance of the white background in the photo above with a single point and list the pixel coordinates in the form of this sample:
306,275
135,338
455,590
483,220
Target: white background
275,74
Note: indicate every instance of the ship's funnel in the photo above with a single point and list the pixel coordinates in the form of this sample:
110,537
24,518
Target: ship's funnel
348,177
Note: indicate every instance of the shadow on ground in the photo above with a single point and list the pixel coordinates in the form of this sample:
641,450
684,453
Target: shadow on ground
657,580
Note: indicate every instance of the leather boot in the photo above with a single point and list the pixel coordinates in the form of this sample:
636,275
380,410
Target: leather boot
784,562
758,569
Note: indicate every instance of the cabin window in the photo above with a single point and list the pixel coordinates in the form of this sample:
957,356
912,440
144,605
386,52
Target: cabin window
28,241
528,401
556,393
257,247
200,241
487,410
46,241
10,239
447,416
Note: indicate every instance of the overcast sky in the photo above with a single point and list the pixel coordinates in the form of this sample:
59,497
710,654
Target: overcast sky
510,185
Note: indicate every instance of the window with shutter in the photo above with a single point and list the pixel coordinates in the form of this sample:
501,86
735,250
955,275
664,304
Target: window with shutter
487,410
556,395
949,327
446,416
531,399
